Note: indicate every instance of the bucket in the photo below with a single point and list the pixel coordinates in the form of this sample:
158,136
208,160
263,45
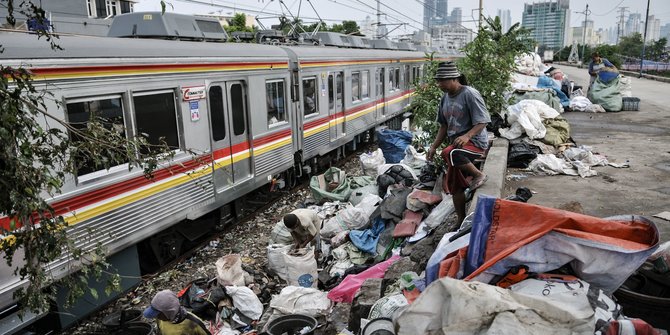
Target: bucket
119,318
379,326
646,295
134,328
291,324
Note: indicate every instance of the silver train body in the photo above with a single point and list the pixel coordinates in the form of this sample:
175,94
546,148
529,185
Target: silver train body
250,113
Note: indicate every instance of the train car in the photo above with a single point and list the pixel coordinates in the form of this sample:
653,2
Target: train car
238,116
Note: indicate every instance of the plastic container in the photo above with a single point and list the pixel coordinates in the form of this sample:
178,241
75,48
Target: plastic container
630,104
293,324
120,318
646,295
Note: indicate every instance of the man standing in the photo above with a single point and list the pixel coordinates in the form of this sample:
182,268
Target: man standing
463,117
173,319
305,227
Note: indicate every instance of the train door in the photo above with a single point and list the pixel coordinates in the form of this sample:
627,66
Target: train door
336,104
380,91
230,144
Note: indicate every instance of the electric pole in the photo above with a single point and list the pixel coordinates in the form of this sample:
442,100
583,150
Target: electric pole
586,17
379,21
481,12
644,39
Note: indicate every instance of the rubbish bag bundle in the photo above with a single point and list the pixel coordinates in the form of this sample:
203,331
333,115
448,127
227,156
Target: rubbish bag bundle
521,154
331,185
393,143
606,94
370,162
396,174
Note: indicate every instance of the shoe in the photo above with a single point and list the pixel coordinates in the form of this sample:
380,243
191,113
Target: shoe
475,184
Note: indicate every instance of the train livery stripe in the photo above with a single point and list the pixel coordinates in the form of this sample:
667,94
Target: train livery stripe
357,62
322,124
141,69
105,199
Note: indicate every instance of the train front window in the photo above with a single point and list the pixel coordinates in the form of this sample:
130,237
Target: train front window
275,101
156,119
309,96
106,110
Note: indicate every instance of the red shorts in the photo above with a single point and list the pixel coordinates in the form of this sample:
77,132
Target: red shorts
455,181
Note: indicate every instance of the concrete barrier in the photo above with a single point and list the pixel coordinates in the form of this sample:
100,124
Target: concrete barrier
495,166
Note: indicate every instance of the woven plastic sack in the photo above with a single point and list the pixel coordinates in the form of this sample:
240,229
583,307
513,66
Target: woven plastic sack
606,94
280,234
331,185
229,270
276,261
301,267
370,162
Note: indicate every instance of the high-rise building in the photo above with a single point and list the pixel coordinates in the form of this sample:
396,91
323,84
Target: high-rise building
434,13
549,22
634,24
505,19
582,35
456,16
665,31
653,28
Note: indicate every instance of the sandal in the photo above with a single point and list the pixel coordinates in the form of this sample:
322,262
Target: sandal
475,184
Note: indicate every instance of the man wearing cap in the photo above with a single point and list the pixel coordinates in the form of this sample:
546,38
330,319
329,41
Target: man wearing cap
305,227
463,116
173,319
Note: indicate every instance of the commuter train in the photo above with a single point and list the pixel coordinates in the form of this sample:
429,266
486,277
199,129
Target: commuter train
256,114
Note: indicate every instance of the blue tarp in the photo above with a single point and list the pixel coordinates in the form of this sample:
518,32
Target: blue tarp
393,144
366,240
546,82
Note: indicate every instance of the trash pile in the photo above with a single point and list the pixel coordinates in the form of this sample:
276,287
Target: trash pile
388,258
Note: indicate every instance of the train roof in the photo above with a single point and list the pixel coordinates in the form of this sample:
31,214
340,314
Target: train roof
331,53
21,45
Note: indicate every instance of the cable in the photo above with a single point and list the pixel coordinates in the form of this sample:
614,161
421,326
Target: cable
615,7
351,7
251,10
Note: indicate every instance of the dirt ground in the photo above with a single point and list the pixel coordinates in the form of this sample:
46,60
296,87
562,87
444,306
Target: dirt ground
641,138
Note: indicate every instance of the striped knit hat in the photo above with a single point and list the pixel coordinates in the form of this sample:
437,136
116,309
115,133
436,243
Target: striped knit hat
447,70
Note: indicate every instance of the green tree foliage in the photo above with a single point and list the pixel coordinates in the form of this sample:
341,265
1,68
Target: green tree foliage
631,46
36,157
656,49
425,101
239,23
611,52
347,27
489,60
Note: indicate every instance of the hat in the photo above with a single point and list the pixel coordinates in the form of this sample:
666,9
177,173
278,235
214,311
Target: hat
165,302
548,71
447,70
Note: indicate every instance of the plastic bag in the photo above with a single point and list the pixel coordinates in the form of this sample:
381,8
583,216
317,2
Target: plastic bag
393,143
521,154
229,270
276,261
413,159
346,290
301,267
301,300
386,306
352,217
370,162
245,301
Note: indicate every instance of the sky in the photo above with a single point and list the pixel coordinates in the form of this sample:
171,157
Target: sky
604,13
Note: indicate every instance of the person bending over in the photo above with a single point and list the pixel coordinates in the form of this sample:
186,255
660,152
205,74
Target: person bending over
462,116
173,319
304,226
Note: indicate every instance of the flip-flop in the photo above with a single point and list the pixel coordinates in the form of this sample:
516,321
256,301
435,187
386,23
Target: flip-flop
475,184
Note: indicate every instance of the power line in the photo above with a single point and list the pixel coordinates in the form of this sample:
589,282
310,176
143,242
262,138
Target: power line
611,10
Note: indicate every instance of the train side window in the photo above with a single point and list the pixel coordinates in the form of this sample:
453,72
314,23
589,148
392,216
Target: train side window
355,86
365,89
331,92
275,101
108,111
407,77
156,117
396,83
238,108
309,97
216,110
380,82
391,80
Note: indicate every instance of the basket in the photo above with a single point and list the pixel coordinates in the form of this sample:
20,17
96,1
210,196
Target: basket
630,104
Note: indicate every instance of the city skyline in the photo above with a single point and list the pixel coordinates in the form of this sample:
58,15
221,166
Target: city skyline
604,13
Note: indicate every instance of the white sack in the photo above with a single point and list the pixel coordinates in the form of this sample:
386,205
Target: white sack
301,300
229,270
301,267
280,234
276,261
451,306
580,104
370,162
551,165
413,159
245,301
